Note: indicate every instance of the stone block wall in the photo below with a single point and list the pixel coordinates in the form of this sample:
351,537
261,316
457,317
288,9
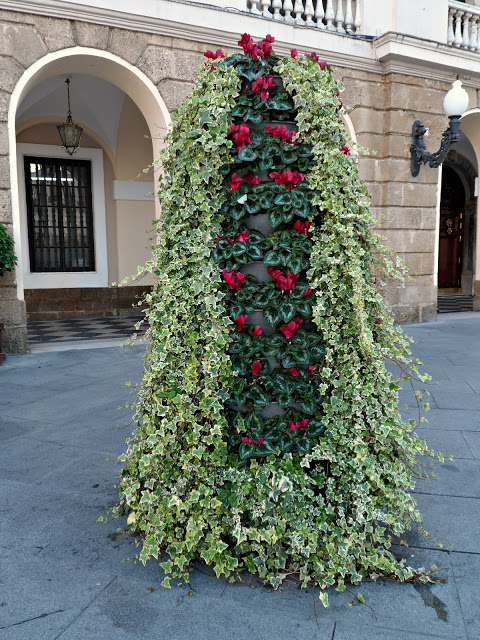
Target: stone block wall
384,109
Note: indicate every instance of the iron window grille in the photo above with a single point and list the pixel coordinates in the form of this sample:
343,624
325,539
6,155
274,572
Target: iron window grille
60,214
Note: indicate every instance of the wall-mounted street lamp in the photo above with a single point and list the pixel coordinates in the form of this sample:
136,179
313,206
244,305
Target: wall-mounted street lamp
70,132
455,104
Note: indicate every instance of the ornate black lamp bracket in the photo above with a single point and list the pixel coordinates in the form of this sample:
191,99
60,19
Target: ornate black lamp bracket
418,149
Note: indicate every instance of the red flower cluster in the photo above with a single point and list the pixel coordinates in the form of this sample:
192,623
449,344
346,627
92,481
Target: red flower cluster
286,283
234,279
250,178
281,132
315,57
288,178
302,227
256,331
344,150
297,425
261,85
293,371
262,48
214,56
240,135
235,182
240,321
241,237
256,367
289,329
259,441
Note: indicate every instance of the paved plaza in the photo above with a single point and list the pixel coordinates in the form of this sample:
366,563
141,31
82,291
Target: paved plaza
65,576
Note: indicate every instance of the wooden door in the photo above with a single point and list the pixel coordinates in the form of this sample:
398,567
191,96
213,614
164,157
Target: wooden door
450,248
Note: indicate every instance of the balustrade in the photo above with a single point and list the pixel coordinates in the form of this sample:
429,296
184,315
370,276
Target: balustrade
463,26
340,16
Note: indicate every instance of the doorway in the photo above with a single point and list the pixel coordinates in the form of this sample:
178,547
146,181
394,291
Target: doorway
450,249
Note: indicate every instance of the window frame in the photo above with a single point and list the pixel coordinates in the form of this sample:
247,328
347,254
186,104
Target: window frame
66,279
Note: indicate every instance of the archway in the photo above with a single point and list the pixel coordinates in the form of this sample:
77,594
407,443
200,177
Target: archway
101,67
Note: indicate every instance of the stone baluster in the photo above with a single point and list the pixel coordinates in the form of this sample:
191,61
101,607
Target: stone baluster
458,29
348,16
451,32
330,15
474,33
265,8
357,23
298,11
254,8
466,31
276,6
309,13
319,14
287,9
339,18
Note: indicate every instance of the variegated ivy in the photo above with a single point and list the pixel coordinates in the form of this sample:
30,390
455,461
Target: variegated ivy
327,513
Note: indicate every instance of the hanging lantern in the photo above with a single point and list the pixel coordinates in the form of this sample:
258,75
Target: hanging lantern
70,132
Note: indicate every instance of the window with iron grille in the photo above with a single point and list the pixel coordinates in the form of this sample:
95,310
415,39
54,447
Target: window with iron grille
60,214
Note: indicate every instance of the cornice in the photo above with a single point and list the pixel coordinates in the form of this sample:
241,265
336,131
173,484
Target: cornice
408,55
340,50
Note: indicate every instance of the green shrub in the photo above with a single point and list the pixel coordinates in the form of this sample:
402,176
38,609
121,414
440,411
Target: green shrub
272,506
8,259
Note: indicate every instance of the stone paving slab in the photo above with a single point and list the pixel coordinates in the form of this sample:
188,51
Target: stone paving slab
63,576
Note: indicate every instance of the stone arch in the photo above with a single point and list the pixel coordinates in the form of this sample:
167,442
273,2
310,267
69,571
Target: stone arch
103,65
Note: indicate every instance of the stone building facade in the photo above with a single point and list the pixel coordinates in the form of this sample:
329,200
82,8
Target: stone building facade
130,70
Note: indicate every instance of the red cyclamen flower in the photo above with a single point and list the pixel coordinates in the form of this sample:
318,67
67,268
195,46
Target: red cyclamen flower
241,237
256,367
214,56
235,182
259,441
261,86
315,57
307,292
240,321
289,329
282,133
240,134
288,178
251,178
234,279
286,283
256,331
297,425
293,53
293,371
344,150
302,227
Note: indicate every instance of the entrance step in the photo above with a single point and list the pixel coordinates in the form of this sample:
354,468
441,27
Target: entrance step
454,302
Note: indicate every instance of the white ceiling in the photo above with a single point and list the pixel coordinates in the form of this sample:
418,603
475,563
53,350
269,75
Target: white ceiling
95,104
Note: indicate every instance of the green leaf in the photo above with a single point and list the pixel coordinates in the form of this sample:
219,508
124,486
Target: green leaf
271,316
246,450
259,396
247,154
271,258
275,217
254,251
284,199
286,310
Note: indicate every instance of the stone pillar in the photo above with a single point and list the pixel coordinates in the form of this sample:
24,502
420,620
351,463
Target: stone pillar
404,207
